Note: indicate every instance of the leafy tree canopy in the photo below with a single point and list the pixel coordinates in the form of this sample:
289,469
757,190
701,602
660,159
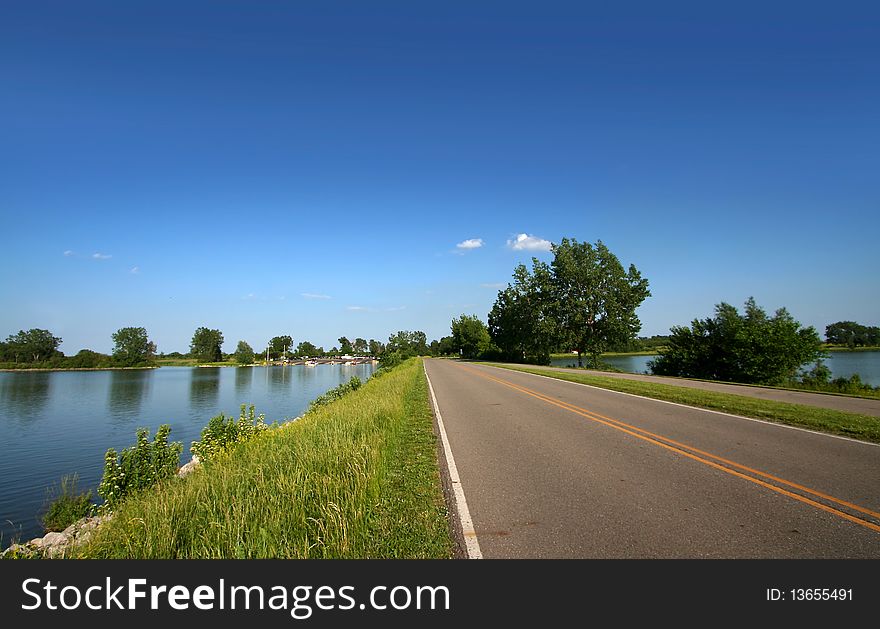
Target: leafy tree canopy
750,347
132,347
408,343
522,323
594,300
279,345
206,345
244,353
470,336
345,346
305,348
852,334
32,346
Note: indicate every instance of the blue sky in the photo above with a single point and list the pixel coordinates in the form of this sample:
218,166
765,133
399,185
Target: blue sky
310,168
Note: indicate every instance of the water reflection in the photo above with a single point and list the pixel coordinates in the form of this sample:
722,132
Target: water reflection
23,396
59,422
204,388
244,378
126,393
279,377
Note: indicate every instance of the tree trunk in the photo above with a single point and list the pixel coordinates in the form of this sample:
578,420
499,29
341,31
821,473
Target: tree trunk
580,364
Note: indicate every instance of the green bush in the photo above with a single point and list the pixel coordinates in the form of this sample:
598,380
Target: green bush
390,360
222,433
752,347
140,466
65,505
819,379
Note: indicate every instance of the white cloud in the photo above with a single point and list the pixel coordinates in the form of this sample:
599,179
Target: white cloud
357,308
135,270
493,285
315,296
470,243
525,242
395,309
69,253
101,256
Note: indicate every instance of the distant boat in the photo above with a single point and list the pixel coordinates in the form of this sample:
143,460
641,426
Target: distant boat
310,363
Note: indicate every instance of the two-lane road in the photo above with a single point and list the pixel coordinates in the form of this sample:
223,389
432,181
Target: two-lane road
555,469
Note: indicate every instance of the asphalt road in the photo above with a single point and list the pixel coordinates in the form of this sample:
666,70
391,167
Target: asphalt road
555,469
864,406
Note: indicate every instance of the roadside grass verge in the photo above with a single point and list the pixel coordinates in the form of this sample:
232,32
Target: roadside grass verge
854,425
356,478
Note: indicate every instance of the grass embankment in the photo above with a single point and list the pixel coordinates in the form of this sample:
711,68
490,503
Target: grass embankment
353,479
853,425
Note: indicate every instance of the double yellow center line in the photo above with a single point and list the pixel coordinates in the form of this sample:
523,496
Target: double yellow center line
764,479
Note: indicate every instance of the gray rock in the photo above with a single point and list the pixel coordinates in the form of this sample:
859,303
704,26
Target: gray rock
14,549
189,468
55,539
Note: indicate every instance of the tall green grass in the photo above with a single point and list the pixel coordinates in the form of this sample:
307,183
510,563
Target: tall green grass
353,479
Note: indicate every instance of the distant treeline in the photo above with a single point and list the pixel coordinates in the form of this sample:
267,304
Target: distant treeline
38,349
852,334
642,344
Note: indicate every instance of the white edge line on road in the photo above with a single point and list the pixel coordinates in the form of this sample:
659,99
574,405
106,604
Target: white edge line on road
472,546
698,408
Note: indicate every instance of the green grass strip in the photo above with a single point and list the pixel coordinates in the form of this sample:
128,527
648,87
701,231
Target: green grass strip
357,478
855,425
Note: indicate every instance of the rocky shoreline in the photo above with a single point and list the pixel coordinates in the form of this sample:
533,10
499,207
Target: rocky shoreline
54,545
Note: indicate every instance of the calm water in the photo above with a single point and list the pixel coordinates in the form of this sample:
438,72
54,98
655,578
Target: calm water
842,364
57,423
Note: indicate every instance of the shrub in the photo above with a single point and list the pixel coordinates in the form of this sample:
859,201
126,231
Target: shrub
819,379
752,347
222,433
140,466
65,505
390,360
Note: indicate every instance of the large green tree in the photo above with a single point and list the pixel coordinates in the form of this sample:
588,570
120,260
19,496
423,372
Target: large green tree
305,348
470,337
521,321
279,345
376,347
206,345
345,346
132,347
32,346
594,297
445,347
408,343
244,353
750,347
360,346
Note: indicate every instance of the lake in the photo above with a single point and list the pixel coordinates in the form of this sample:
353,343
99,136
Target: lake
61,422
842,364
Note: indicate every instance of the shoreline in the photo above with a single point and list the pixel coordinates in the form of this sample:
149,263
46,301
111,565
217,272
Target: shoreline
42,369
